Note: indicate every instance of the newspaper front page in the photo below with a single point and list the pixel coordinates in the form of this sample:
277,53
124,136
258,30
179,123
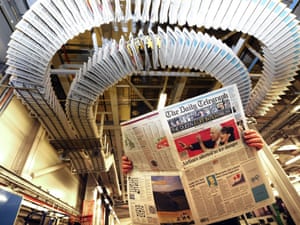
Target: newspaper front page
191,165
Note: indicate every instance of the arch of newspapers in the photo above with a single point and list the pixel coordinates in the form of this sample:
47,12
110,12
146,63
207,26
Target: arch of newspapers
50,24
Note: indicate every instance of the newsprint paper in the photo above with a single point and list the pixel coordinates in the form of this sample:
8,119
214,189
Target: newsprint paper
182,174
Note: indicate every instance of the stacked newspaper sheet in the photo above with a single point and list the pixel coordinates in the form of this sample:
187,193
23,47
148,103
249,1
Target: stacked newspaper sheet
183,173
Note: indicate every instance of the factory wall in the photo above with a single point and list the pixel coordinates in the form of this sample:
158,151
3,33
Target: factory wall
25,150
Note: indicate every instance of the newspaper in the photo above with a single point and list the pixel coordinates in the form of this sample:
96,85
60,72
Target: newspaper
181,174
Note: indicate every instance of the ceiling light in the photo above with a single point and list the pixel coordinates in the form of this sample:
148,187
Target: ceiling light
162,101
33,206
163,96
296,108
56,193
275,192
296,158
295,180
100,189
288,148
94,39
3,198
106,201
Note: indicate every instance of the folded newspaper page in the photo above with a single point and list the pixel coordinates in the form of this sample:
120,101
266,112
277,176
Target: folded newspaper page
191,165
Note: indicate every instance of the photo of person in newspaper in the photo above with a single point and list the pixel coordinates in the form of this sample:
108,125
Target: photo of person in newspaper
226,135
170,200
212,181
207,139
212,142
237,179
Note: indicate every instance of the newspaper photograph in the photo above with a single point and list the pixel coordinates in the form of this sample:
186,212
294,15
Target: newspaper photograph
191,165
158,198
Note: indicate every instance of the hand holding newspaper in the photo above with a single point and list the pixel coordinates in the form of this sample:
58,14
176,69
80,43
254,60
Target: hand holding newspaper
191,165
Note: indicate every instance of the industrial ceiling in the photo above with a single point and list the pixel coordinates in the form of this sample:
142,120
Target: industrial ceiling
66,69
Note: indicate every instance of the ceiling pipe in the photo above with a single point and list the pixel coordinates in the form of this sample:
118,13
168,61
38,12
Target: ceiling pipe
5,98
48,170
118,139
277,142
172,74
254,52
140,94
293,4
63,71
241,44
231,33
254,61
285,115
176,92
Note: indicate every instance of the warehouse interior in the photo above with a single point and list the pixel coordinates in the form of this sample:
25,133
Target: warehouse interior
84,130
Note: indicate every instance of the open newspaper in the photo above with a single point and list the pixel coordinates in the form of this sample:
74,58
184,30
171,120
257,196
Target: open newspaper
184,175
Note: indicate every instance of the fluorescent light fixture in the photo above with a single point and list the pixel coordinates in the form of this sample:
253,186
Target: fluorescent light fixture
100,189
162,101
56,193
295,180
3,198
296,108
99,202
275,192
295,159
288,148
95,194
108,191
106,201
94,39
33,206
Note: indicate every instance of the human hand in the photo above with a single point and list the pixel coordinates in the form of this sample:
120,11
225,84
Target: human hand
183,145
199,138
253,139
126,165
